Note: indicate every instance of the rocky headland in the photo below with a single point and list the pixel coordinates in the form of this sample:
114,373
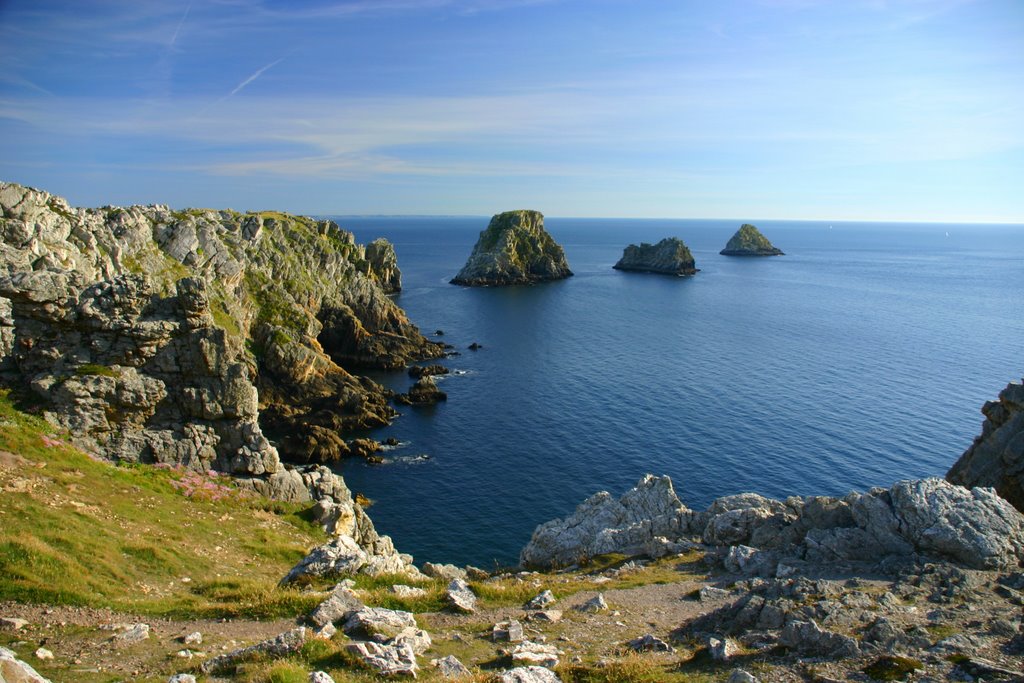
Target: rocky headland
748,241
670,256
514,249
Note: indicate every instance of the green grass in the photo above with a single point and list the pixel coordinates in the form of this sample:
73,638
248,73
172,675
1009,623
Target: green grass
76,531
94,369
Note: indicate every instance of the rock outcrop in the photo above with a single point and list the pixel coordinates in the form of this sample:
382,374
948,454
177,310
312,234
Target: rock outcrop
996,458
930,517
514,250
190,337
748,241
670,256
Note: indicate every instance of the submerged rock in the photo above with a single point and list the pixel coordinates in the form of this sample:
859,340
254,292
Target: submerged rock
748,241
996,458
514,249
668,257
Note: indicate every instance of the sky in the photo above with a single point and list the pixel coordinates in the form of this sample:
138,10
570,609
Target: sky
787,109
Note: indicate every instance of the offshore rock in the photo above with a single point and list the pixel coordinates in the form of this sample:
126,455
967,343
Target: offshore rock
748,241
514,249
996,458
423,392
668,257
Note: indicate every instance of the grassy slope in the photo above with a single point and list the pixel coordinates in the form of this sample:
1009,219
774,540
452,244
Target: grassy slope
77,531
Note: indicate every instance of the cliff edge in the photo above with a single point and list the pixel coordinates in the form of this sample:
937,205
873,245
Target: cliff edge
514,249
748,241
670,256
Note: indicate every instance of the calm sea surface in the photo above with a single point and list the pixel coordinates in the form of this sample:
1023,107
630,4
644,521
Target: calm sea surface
859,358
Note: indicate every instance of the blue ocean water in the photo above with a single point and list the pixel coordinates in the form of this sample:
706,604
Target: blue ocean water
861,357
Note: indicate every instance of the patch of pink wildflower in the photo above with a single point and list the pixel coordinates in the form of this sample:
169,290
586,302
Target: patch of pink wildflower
202,485
51,442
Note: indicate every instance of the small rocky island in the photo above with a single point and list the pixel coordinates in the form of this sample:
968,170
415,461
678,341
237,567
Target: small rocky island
748,241
515,249
670,256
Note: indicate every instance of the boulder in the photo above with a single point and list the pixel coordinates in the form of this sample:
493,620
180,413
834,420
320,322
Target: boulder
320,677
13,670
450,667
423,392
510,631
387,660
996,458
338,607
807,638
514,249
459,597
670,256
748,241
649,643
543,599
594,605
283,645
447,572
535,654
529,674
378,621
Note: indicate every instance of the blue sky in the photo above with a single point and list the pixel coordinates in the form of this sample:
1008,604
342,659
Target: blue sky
797,109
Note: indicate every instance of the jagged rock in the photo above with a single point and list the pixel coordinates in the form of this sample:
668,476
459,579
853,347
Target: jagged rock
194,638
710,594
670,256
996,458
543,599
514,250
326,632
450,667
339,606
748,241
649,643
594,604
602,525
154,368
182,678
416,638
281,646
388,660
13,670
509,631
418,371
320,677
529,674
535,654
341,556
460,597
377,621
807,638
423,392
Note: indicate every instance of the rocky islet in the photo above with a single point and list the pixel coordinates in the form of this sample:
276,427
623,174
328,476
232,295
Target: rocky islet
670,256
748,241
514,249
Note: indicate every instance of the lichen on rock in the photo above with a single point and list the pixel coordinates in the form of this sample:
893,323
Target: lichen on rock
514,249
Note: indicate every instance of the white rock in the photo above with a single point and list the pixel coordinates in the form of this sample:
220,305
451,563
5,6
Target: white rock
510,631
529,674
450,667
194,638
542,600
594,605
460,597
535,654
182,678
388,660
43,653
17,670
133,634
12,624
721,649
377,621
416,638
320,677
403,591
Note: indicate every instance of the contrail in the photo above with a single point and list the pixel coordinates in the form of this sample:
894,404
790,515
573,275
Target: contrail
177,30
251,78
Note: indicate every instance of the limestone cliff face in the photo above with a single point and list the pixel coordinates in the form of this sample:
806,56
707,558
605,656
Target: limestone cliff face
515,249
996,458
670,256
748,241
147,332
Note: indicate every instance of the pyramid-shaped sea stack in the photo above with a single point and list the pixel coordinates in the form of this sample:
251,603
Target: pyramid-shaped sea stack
514,250
748,241
670,256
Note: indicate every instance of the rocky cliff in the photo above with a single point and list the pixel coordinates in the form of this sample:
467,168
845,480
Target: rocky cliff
515,249
996,458
748,241
670,256
187,336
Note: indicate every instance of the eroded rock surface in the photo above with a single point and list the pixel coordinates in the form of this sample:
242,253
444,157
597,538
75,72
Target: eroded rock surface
996,458
515,249
670,256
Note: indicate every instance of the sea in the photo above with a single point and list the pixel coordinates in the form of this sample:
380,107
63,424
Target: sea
861,357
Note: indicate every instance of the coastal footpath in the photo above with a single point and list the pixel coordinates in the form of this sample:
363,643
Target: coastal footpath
514,249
